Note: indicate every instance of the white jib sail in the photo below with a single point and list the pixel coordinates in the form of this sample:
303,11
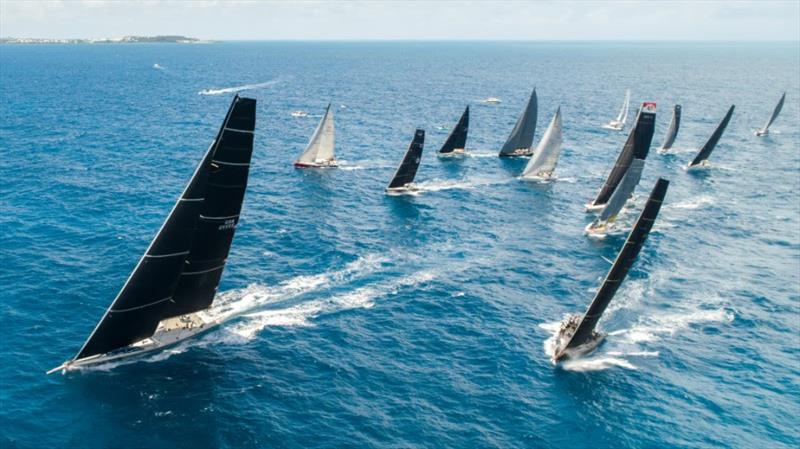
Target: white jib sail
320,147
545,158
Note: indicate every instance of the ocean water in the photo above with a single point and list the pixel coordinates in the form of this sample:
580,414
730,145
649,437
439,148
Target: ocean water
361,320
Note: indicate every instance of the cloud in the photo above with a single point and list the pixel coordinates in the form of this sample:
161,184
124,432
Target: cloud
254,20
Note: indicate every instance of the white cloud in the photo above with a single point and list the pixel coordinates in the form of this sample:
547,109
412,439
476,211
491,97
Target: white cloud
576,20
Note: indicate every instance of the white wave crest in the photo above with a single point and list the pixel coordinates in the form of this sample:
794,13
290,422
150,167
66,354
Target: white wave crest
228,90
652,328
693,203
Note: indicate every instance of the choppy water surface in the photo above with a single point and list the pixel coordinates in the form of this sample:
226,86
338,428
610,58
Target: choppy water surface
361,320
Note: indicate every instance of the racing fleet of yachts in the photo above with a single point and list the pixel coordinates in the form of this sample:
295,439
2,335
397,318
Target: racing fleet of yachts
167,296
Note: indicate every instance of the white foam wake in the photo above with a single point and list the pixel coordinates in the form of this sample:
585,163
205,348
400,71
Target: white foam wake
438,185
228,90
302,314
231,304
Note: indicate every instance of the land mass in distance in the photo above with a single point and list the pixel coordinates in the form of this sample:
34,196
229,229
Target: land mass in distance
112,40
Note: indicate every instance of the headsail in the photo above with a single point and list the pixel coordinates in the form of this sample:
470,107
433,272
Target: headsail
321,145
775,112
585,331
521,137
457,140
636,147
408,167
705,152
672,132
544,161
150,290
621,194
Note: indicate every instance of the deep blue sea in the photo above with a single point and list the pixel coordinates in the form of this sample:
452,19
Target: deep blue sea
363,320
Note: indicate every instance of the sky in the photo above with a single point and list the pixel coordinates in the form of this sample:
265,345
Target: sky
406,20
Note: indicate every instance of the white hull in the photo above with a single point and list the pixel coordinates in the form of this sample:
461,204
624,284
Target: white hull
539,177
456,152
408,188
762,132
591,207
317,164
701,165
614,126
169,333
597,232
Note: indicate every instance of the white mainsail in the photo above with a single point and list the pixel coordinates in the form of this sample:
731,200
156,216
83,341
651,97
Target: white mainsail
545,158
623,113
320,147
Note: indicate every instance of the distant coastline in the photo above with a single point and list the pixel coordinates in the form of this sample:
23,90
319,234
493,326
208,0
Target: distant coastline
112,40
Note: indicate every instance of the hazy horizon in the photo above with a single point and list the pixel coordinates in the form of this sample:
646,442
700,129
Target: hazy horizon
548,21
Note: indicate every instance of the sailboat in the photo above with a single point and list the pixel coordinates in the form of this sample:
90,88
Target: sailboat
577,335
625,188
165,297
765,130
618,124
672,131
636,147
543,163
319,151
403,178
457,140
521,138
701,159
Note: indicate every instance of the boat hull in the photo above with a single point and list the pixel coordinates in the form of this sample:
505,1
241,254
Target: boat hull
456,152
614,126
331,164
177,330
591,207
408,188
562,355
762,132
519,152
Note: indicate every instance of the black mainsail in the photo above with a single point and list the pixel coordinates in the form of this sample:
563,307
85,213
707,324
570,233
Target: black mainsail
585,331
636,147
457,140
521,138
672,132
408,167
705,152
765,130
180,270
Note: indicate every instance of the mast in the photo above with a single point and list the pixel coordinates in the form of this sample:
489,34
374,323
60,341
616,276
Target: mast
219,216
521,136
619,269
321,144
774,115
546,156
140,304
408,167
458,136
672,131
637,146
705,152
